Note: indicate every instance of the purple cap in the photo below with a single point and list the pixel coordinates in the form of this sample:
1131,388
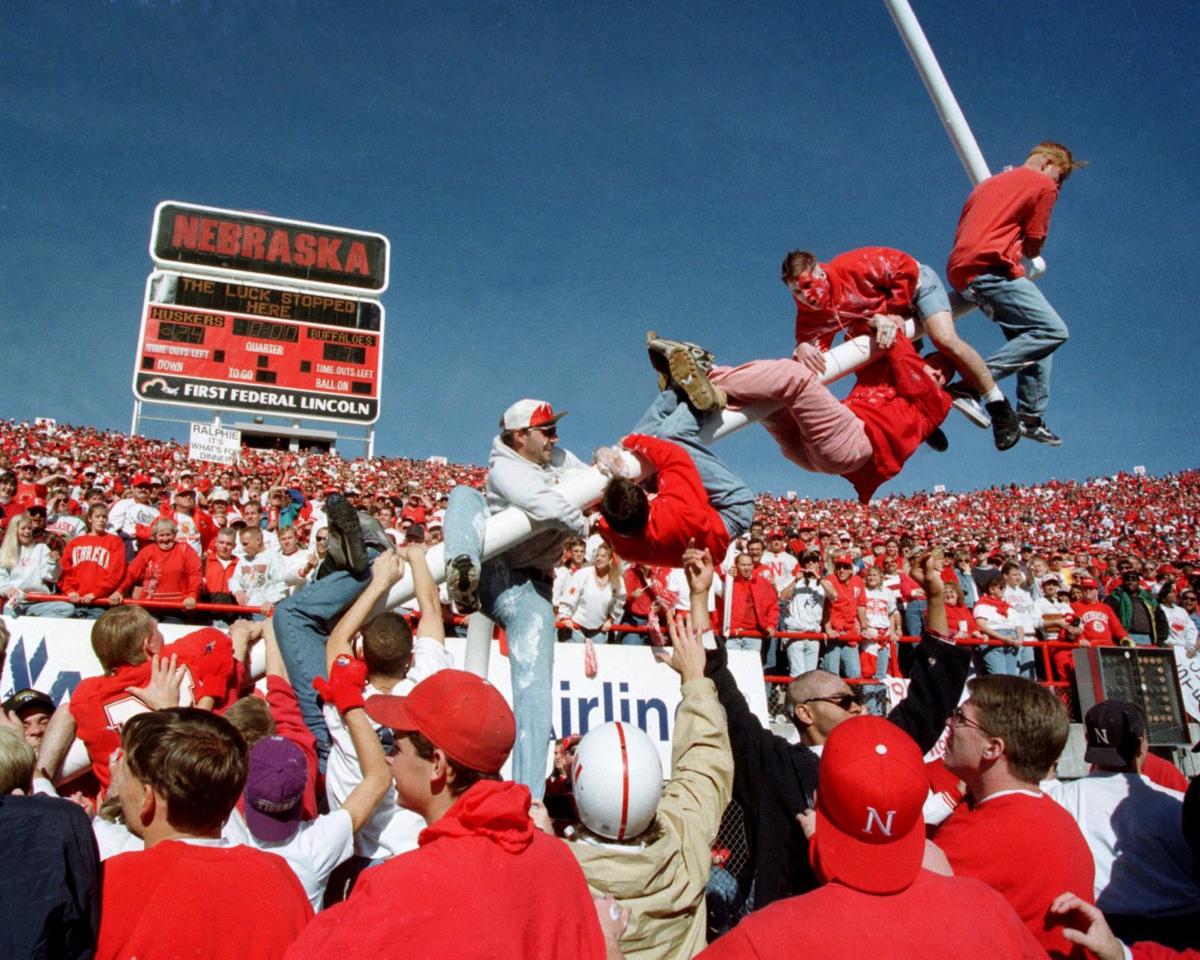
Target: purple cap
275,788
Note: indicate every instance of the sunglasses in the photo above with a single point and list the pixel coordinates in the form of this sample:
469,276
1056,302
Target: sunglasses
960,719
843,700
550,433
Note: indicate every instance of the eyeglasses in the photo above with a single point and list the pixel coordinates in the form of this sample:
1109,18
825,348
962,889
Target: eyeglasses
960,719
322,539
550,433
843,700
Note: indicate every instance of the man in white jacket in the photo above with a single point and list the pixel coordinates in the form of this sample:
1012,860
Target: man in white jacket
514,589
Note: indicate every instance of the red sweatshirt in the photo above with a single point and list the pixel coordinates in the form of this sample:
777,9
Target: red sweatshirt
465,893
681,511
862,283
216,574
899,406
1100,625
93,563
182,900
164,574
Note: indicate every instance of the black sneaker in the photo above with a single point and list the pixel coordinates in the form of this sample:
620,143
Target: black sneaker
346,547
1006,425
1034,429
966,401
373,533
937,441
462,583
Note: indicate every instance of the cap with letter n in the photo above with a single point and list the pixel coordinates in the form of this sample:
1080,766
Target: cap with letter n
1114,731
525,414
870,828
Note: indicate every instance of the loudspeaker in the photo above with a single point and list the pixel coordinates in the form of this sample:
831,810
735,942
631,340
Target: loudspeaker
1143,676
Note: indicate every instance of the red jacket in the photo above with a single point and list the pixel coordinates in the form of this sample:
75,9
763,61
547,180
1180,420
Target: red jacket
899,406
755,605
862,283
164,574
93,564
216,574
465,893
681,511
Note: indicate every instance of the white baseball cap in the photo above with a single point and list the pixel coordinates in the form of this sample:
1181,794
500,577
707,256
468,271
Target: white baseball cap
525,414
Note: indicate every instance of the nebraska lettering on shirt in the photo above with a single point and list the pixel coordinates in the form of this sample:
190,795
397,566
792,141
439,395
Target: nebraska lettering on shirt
90,553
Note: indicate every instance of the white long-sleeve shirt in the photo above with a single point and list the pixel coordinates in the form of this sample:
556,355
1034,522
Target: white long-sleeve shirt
261,579
588,604
34,572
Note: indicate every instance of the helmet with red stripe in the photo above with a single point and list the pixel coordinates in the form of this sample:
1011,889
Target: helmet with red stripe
618,780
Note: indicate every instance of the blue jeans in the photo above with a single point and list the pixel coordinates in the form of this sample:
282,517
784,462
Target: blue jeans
1033,330
518,600
881,661
303,623
803,656
914,617
842,659
1002,660
1141,639
632,639
745,643
670,418
45,608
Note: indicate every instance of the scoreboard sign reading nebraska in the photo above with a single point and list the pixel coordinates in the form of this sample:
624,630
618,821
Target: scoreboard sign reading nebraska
212,342
228,242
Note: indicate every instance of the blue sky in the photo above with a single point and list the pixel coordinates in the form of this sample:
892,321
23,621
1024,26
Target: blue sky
555,179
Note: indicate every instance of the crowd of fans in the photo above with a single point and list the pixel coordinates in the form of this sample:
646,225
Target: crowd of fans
353,801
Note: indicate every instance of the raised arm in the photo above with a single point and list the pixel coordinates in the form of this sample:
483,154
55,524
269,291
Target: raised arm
426,591
60,734
344,689
386,570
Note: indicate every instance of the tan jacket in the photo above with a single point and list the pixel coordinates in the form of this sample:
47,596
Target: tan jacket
663,881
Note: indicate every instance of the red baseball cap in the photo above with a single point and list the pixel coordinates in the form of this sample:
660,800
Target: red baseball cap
1087,583
529,413
870,828
457,711
140,480
843,560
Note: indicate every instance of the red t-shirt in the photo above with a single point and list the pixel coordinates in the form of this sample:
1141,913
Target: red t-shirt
843,610
184,900
101,706
937,918
1000,213
1030,850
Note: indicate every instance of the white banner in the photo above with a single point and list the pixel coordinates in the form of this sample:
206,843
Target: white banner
1189,682
54,655
215,444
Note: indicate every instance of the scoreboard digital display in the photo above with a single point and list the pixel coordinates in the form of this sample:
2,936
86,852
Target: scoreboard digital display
223,343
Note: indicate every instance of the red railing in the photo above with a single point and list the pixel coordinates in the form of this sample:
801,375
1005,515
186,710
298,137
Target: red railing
148,604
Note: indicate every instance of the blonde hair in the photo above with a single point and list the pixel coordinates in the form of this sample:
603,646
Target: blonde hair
10,550
1061,156
17,761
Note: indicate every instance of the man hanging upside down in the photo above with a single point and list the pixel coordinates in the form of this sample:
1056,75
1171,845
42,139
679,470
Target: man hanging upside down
897,403
700,501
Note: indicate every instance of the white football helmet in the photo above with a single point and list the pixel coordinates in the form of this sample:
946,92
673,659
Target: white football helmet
618,780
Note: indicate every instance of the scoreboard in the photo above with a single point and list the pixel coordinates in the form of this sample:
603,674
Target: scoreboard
223,343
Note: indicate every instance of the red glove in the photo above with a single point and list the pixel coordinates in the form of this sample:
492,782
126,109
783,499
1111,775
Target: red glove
344,688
